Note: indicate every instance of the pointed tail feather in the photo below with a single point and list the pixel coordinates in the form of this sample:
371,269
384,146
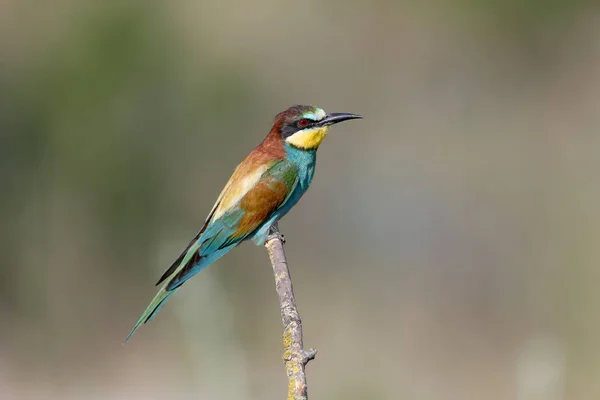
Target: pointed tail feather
159,300
165,292
183,269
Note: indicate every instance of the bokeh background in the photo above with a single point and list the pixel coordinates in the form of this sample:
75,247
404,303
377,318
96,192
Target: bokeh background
448,248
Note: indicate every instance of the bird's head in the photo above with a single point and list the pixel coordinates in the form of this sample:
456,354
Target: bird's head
305,127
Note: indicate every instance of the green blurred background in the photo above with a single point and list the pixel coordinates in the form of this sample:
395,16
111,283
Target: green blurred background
448,248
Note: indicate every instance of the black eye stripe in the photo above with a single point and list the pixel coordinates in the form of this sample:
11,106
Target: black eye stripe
290,128
309,123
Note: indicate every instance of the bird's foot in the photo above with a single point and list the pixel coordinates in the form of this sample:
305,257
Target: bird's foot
275,234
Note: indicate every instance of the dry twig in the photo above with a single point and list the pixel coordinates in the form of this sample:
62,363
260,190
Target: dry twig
294,355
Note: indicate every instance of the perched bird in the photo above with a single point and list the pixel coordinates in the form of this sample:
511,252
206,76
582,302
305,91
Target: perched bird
262,189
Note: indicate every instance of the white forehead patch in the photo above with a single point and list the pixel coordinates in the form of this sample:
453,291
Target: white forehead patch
317,115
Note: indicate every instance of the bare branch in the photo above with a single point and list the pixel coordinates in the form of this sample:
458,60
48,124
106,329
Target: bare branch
294,355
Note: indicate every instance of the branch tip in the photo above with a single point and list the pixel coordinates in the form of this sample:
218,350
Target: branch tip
309,354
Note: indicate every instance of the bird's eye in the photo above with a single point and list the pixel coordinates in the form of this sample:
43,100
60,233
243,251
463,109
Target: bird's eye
303,123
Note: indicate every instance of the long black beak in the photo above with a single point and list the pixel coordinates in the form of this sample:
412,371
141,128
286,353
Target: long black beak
334,118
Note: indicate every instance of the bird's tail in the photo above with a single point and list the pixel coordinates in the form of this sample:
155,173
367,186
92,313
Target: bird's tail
189,258
154,307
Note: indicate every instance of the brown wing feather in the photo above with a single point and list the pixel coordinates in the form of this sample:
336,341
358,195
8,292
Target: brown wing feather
270,150
258,204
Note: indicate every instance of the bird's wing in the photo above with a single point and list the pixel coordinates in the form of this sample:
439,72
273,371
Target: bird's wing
248,200
243,178
243,207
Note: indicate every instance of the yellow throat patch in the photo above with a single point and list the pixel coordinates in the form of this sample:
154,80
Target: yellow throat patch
308,139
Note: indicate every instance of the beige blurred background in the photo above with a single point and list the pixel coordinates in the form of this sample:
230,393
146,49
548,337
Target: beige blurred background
449,245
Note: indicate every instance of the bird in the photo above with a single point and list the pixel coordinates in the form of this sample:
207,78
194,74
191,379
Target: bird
261,190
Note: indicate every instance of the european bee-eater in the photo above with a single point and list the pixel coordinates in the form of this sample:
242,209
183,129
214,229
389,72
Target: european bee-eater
262,189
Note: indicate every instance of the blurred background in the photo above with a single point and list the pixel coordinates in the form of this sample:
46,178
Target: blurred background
449,245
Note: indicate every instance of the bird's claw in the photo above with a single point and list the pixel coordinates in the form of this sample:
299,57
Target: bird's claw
275,234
